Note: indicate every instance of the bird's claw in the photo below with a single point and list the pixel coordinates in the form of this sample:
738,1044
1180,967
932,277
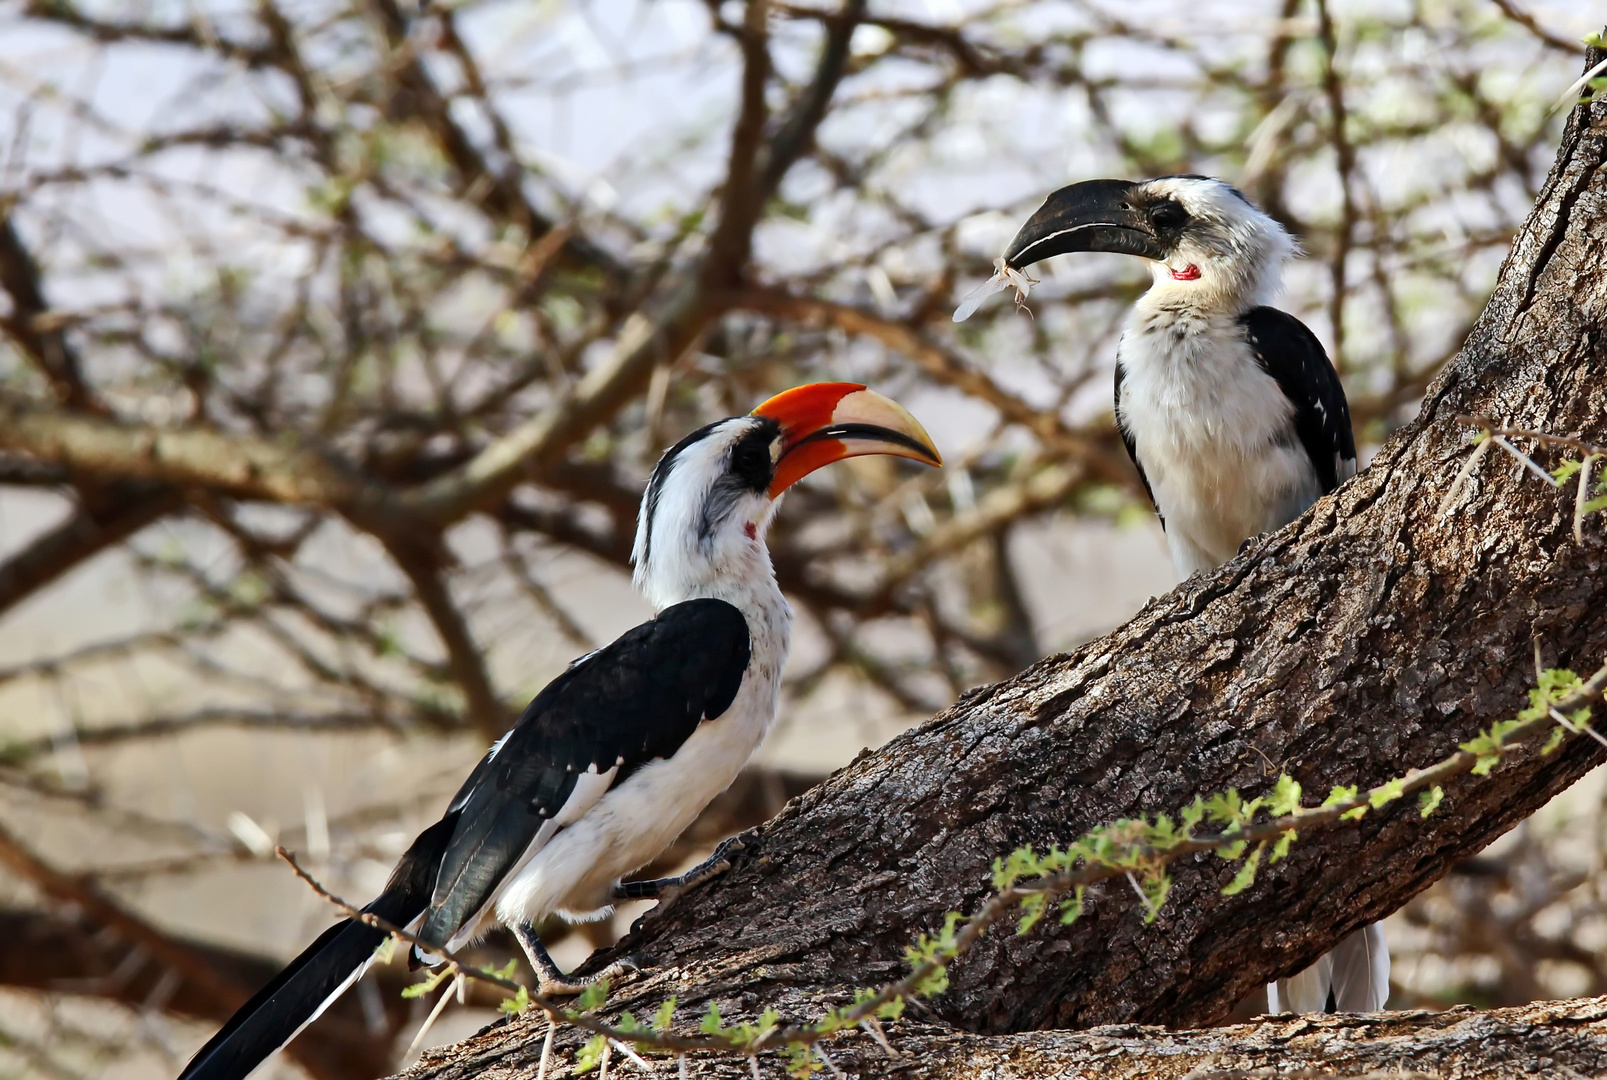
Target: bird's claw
548,986
725,855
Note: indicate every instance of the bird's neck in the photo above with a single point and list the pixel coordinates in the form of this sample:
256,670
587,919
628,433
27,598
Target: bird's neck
1222,290
745,579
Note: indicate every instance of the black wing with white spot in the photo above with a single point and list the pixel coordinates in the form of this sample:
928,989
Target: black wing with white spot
1132,445
623,706
1288,351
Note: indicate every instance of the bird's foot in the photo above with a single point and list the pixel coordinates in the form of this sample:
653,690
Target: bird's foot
723,858
555,983
550,979
668,888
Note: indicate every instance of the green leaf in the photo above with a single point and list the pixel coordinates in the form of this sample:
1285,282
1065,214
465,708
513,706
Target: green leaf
504,972
1163,834
1020,863
747,1034
1285,798
431,981
665,1013
1034,905
1429,801
386,951
1595,40
934,983
1384,794
892,1010
1341,793
801,1062
1071,910
711,1024
516,1004
1226,807
594,995
1246,875
1156,889
1551,687
1557,735
588,1057
1281,848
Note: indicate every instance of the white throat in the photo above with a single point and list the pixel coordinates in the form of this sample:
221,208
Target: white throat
696,540
1230,260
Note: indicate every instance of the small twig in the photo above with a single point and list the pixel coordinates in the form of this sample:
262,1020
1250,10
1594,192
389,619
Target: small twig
429,1021
1491,427
370,919
625,1049
1448,503
1529,23
1131,880
660,1040
874,1026
1525,460
1497,433
1576,730
546,1049
830,1064
1582,496
1570,96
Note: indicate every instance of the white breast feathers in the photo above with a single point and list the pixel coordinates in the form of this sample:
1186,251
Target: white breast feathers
1213,433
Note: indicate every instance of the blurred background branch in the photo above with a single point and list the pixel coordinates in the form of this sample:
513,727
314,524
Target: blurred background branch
338,339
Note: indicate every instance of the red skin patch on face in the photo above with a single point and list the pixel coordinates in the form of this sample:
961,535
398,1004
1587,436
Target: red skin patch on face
1188,273
752,530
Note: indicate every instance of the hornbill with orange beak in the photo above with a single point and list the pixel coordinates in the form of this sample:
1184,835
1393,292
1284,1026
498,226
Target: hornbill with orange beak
1229,408
618,754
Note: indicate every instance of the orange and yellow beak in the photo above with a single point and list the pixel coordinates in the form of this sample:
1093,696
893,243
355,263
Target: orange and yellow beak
826,422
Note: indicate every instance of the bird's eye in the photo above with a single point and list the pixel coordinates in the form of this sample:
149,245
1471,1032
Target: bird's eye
1167,215
750,460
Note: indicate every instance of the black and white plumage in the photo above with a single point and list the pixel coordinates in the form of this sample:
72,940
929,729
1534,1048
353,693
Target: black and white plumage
617,755
1230,409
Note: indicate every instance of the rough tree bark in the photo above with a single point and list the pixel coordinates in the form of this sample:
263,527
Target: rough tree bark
1370,636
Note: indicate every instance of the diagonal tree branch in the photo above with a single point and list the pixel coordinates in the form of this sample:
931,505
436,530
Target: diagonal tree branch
422,560
54,954
109,514
29,324
275,470
222,984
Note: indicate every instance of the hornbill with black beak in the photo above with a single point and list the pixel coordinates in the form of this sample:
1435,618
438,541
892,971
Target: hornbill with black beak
618,754
1229,408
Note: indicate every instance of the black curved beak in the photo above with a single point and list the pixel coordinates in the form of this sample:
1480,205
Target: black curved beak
1095,215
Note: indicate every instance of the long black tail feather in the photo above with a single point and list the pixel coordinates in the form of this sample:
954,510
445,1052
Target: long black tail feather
324,970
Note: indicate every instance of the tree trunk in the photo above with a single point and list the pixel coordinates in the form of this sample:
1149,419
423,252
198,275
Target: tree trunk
1545,1039
1373,635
